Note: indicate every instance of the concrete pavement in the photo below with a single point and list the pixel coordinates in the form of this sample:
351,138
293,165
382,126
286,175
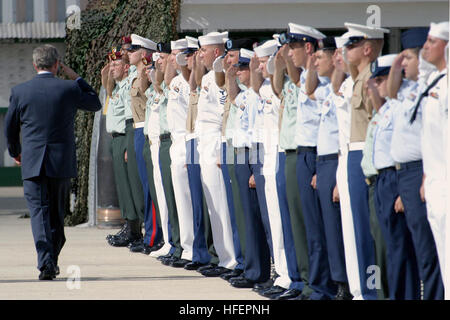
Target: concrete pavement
105,272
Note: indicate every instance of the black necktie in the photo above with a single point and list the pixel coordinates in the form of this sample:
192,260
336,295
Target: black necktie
424,94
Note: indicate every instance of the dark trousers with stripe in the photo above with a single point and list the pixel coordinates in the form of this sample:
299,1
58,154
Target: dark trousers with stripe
331,216
297,224
149,215
319,267
402,273
409,182
257,256
200,211
166,175
153,231
118,148
359,201
133,176
231,207
288,237
47,199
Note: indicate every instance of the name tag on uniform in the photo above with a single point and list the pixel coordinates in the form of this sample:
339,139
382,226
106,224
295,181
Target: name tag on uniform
434,95
176,89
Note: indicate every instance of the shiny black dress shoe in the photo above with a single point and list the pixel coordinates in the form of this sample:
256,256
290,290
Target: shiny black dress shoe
215,272
343,292
136,243
289,294
206,267
137,246
123,241
180,263
121,232
193,265
57,270
232,274
48,272
272,292
147,249
261,286
169,261
161,258
241,282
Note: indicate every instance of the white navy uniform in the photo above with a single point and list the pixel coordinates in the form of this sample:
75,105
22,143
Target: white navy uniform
177,110
343,113
208,129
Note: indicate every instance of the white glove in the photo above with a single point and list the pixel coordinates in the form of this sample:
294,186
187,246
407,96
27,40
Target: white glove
153,75
218,64
270,65
181,59
155,56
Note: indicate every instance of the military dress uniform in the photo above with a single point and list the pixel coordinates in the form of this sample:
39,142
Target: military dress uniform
115,125
208,129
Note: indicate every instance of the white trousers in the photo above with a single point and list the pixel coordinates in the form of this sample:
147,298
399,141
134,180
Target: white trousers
436,201
348,231
270,169
182,194
216,198
163,210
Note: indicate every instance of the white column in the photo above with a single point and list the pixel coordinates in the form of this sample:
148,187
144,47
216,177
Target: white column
40,10
8,11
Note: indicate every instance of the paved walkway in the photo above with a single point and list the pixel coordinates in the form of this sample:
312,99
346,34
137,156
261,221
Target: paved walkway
106,272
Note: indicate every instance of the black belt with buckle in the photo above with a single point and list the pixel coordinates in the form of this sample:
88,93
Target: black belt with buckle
290,150
129,121
116,134
408,165
380,171
371,180
333,156
164,136
306,149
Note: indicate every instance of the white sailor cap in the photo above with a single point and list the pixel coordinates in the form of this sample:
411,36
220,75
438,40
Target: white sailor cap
439,30
138,42
382,65
213,38
192,45
276,36
358,32
245,56
180,44
340,41
266,49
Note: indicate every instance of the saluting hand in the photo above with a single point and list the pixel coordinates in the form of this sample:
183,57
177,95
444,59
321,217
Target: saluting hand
72,75
280,62
254,63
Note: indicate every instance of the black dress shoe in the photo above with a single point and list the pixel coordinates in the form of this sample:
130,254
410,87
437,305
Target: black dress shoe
161,258
242,282
123,241
48,272
343,292
207,267
215,272
272,292
57,270
260,286
155,247
233,274
169,261
180,263
121,232
136,243
137,246
289,294
193,265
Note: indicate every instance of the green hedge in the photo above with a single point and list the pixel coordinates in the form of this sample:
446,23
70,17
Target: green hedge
103,23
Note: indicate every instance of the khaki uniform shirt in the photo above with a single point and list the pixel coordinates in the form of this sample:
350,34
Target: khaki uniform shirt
192,111
138,101
361,107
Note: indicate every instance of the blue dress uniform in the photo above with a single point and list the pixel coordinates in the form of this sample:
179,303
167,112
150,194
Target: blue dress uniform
406,152
308,119
327,162
402,272
257,254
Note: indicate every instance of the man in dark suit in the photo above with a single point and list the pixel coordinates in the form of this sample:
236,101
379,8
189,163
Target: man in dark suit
42,110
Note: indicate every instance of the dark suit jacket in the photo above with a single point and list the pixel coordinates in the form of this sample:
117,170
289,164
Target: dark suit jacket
43,110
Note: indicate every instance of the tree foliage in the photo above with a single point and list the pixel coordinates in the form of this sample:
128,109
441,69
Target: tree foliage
103,23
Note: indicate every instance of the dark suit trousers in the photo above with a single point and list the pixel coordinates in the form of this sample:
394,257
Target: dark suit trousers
46,198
